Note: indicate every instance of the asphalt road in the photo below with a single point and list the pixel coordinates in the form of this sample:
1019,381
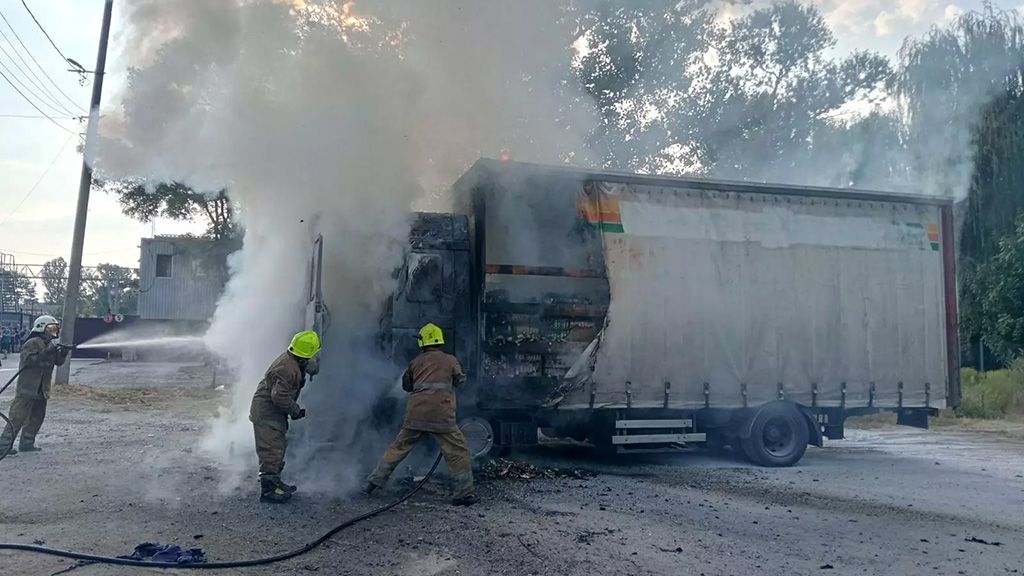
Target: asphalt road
888,501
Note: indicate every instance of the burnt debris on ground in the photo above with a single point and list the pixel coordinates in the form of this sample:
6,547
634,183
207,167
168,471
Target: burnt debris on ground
504,468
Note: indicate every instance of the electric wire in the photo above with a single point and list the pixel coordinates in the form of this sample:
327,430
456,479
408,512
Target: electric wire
38,181
33,104
36,90
28,86
37,117
39,66
45,33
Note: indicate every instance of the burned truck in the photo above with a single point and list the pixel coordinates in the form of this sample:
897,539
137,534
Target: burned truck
644,313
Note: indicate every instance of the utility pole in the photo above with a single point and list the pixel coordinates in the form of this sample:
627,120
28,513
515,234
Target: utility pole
67,332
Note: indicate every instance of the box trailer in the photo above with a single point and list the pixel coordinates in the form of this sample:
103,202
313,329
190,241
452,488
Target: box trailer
648,313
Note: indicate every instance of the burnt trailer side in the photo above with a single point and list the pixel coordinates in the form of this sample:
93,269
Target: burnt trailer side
649,312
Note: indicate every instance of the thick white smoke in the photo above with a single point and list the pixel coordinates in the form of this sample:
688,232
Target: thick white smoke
332,118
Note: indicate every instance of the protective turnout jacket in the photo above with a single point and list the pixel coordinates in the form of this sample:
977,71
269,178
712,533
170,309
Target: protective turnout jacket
431,380
38,358
277,394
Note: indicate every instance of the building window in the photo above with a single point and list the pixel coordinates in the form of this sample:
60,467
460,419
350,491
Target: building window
164,265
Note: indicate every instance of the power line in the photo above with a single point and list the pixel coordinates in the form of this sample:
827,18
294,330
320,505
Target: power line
37,91
30,55
47,116
38,82
37,117
52,43
39,181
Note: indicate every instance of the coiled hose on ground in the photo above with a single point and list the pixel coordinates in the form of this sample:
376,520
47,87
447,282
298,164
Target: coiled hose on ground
5,450
92,558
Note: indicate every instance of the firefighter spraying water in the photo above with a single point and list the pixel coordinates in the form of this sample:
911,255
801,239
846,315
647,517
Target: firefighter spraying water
431,380
40,354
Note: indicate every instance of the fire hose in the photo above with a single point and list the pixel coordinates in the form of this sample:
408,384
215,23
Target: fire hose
6,449
95,559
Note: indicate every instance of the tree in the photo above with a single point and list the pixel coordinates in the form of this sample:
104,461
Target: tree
1002,299
15,289
55,280
944,83
112,289
633,59
145,201
960,95
756,98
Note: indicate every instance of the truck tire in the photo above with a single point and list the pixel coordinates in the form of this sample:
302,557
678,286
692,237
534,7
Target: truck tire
479,436
778,436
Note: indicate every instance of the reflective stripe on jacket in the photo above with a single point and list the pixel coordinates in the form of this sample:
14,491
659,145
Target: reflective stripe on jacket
431,380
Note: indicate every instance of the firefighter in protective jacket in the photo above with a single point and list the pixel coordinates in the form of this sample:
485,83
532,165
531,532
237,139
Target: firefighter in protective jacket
275,401
39,355
431,380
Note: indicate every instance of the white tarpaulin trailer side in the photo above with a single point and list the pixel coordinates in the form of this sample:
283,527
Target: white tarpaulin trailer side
738,298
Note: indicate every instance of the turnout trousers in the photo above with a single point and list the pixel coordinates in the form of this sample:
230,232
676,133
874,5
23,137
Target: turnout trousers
453,446
27,416
271,444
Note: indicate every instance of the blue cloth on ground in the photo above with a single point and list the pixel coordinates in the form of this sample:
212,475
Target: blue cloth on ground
169,553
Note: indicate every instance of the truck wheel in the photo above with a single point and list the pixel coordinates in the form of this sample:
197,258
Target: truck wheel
479,436
778,436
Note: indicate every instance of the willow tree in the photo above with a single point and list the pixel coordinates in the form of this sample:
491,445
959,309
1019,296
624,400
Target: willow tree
959,91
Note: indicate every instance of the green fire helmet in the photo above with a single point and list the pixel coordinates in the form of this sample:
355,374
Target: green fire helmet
305,344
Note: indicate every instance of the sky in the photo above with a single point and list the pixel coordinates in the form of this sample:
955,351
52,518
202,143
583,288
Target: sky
40,166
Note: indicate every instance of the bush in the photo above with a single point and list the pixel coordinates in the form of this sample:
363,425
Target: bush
994,394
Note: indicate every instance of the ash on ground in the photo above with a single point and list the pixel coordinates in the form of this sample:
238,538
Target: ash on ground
503,468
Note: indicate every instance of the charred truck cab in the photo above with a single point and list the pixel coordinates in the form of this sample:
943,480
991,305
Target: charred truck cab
644,313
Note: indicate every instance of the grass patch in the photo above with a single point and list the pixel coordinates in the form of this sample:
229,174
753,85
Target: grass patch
992,395
188,398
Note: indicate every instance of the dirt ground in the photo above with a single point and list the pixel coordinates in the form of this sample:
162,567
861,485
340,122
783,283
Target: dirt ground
118,468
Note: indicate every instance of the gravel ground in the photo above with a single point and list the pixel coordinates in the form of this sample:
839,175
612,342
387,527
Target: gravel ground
116,472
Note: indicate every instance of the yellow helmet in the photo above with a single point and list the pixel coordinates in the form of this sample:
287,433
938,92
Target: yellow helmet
305,344
431,335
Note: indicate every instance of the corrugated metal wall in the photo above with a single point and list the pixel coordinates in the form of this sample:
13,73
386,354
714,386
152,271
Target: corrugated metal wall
193,287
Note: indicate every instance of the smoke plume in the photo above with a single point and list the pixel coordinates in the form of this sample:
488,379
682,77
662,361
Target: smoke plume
332,118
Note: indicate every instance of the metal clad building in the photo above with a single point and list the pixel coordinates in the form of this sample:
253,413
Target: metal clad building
181,278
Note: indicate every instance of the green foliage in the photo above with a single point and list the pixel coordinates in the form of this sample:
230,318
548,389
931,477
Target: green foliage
755,98
55,280
995,394
110,288
145,201
22,288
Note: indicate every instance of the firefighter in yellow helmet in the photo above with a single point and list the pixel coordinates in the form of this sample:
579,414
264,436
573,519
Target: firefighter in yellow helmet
275,401
431,380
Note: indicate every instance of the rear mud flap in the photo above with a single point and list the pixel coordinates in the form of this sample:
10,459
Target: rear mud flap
815,437
914,418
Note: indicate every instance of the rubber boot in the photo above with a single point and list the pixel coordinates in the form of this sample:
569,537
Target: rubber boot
369,488
12,451
271,491
289,488
29,448
467,500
